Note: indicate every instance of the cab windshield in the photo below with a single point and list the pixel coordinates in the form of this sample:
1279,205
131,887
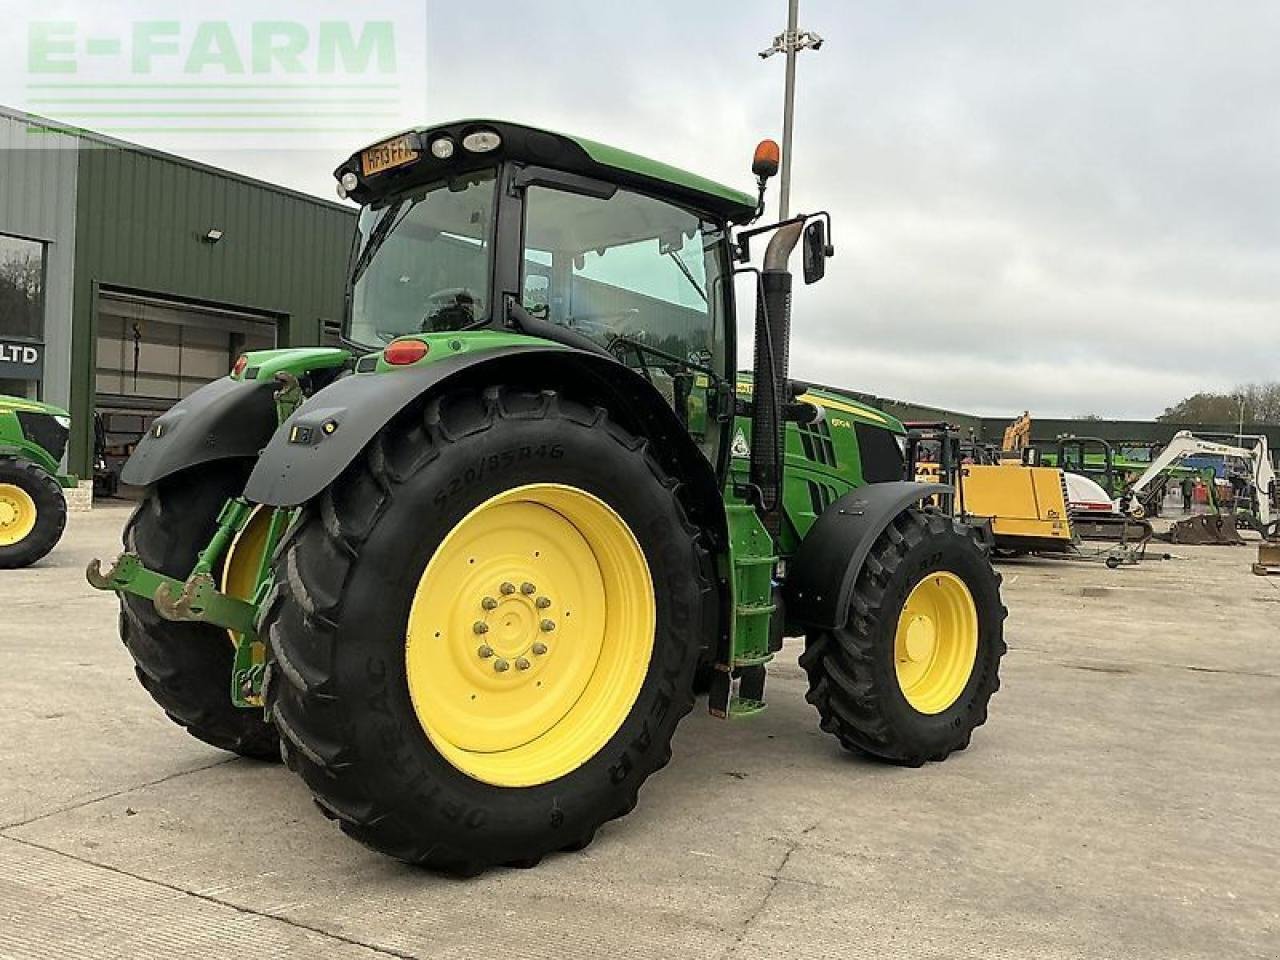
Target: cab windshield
421,261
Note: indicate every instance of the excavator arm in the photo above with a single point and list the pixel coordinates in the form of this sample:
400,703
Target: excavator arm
1185,444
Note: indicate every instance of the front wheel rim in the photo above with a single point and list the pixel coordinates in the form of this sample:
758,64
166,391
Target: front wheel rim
530,635
17,514
936,642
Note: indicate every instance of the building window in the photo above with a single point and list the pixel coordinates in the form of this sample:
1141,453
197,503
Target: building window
23,389
21,288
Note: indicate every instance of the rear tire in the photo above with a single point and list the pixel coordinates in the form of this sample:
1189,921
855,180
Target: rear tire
185,666
25,489
349,581
854,679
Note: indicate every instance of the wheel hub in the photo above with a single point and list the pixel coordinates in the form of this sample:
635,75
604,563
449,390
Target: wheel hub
530,634
493,691
921,639
514,628
936,642
17,514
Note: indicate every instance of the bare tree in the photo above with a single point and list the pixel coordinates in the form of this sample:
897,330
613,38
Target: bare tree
20,295
1252,402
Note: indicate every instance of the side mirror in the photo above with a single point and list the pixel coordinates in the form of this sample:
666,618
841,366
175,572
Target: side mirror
816,251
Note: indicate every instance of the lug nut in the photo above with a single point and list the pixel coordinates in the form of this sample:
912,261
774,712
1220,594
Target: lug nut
547,626
480,627
542,603
528,589
488,603
485,651
501,666
522,663
539,648
507,588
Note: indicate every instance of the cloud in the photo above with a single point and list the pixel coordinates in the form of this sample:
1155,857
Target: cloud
1061,207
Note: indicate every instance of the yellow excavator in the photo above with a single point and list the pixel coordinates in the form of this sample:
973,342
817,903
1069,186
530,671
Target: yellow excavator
1027,505
1017,438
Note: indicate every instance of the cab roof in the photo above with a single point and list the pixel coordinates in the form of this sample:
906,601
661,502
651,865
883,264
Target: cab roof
531,145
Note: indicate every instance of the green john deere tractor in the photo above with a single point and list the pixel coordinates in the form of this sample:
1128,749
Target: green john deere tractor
33,510
474,565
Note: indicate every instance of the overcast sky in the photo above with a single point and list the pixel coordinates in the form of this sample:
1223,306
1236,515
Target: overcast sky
1069,208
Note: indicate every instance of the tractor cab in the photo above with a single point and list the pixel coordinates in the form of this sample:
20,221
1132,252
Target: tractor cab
495,226
1091,457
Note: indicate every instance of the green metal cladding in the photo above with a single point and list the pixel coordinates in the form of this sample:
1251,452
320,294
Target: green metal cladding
141,219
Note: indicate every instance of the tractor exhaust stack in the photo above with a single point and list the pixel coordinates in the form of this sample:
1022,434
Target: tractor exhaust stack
771,369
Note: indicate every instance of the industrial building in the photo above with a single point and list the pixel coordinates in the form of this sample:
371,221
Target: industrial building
1135,434
130,277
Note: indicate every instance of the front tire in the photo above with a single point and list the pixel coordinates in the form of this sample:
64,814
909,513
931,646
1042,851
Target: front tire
909,676
416,684
33,513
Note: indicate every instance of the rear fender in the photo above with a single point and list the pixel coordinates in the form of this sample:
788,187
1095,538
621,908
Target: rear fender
326,434
822,573
224,419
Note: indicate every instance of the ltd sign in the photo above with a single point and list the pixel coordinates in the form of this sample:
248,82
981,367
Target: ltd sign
21,360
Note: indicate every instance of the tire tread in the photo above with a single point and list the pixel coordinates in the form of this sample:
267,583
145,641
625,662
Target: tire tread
301,627
839,663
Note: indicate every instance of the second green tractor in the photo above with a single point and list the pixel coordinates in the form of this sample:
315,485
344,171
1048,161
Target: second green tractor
33,508
467,571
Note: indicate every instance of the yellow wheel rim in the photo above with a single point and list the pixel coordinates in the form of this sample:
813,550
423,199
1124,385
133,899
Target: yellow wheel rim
240,570
530,635
936,643
17,514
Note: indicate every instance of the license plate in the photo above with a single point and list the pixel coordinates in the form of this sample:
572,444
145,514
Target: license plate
389,155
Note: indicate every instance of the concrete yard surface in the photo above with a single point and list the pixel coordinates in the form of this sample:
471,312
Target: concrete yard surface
1123,801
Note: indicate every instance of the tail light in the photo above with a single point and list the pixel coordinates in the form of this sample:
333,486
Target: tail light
402,353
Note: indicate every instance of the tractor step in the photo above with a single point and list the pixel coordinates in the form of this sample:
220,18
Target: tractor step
740,708
746,613
749,699
737,689
739,694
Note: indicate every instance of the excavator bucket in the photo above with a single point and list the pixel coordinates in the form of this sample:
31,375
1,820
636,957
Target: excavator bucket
1206,529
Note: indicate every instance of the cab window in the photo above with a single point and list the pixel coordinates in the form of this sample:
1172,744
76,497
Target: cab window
643,278
422,261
